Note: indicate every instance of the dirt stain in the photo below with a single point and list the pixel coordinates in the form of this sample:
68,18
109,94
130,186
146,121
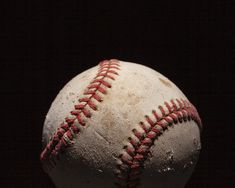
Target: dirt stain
166,83
108,120
133,99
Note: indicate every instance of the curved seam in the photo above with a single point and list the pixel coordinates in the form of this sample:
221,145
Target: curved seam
130,162
65,134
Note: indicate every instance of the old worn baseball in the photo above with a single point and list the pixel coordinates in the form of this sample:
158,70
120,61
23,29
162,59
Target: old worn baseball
121,124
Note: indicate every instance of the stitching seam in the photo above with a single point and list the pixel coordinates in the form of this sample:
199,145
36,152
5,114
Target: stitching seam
130,162
65,134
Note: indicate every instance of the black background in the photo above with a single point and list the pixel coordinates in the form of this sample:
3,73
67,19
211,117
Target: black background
45,44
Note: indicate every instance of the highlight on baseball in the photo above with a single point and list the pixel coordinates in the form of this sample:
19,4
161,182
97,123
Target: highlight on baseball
123,125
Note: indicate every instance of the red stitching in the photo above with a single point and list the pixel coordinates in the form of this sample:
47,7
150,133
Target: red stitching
99,88
66,132
131,162
101,81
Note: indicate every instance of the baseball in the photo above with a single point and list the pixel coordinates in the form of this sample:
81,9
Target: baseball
120,124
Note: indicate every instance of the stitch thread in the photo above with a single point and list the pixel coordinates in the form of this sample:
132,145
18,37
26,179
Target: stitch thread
65,134
130,162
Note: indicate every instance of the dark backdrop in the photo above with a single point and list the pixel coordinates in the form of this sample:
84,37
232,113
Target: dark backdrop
45,44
